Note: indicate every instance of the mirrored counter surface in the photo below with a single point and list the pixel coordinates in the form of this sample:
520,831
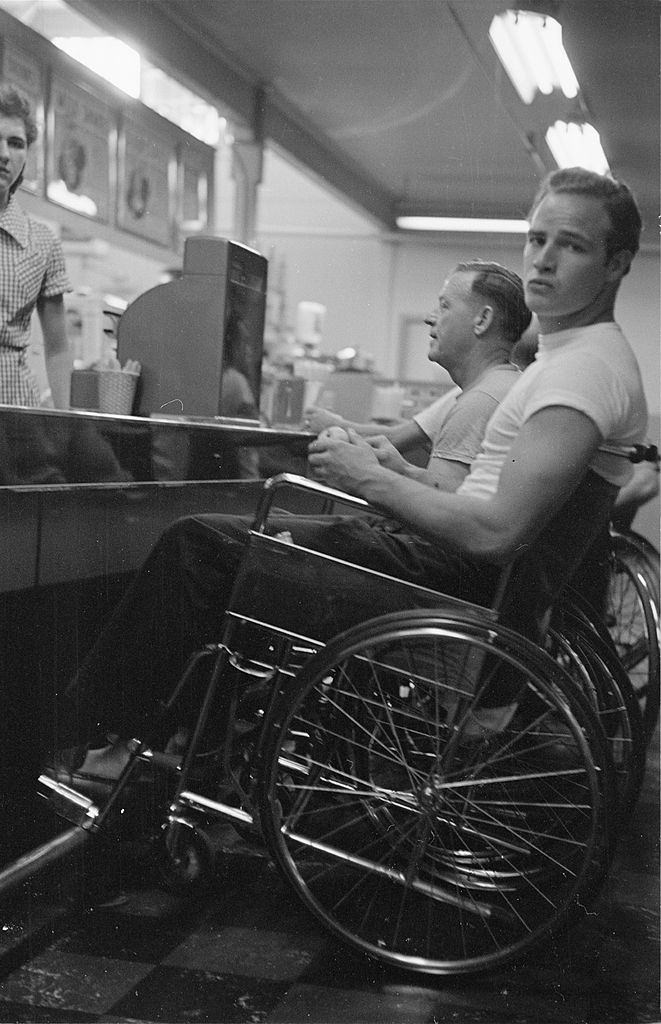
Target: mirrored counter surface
84,495
44,447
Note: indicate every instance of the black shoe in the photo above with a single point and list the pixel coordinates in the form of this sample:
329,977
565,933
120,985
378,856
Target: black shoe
96,787
71,758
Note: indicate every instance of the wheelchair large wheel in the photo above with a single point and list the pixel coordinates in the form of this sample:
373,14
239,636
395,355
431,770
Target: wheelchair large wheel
411,831
630,541
633,621
596,669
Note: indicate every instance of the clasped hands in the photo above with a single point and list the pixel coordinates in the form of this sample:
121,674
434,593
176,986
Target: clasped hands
348,462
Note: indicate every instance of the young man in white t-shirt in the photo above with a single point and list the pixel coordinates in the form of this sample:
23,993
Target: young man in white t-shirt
582,394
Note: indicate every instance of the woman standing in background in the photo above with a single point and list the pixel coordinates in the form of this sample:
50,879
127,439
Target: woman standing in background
32,272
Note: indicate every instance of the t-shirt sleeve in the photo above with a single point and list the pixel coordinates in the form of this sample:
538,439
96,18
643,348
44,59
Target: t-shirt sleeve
593,388
431,419
465,427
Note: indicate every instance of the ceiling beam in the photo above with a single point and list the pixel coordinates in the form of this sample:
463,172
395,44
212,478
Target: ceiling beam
164,32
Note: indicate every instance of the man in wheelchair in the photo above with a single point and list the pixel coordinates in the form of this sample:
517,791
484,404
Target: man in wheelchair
480,319
540,489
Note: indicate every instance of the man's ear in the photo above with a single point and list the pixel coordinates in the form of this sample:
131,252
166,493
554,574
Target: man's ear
483,320
618,264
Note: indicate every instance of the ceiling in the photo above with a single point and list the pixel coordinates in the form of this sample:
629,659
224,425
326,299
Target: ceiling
402,105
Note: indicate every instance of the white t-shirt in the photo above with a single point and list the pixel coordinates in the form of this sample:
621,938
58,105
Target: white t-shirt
432,419
456,422
591,369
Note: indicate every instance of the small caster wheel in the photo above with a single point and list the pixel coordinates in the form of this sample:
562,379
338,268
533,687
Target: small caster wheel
185,858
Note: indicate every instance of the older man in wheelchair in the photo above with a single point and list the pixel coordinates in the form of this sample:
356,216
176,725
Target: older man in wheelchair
438,754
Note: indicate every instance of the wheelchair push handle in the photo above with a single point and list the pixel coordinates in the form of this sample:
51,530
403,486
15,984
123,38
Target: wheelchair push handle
644,453
635,453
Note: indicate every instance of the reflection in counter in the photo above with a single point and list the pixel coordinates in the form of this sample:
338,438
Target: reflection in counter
177,455
84,495
46,447
39,451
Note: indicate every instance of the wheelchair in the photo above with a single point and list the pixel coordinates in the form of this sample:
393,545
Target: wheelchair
630,607
422,821
632,614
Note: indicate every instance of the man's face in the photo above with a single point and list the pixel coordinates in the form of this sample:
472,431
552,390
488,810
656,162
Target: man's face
13,153
566,270
451,323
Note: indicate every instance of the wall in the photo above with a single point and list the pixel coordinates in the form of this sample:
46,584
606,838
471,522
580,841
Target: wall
638,311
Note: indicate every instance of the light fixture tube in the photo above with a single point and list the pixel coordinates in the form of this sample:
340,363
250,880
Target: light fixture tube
529,46
474,224
577,145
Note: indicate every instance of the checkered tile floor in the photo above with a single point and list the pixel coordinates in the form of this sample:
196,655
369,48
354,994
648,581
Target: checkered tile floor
247,951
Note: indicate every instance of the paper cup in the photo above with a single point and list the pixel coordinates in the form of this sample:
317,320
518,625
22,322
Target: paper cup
117,391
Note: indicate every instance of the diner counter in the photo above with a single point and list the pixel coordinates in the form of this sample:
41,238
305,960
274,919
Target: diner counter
85,495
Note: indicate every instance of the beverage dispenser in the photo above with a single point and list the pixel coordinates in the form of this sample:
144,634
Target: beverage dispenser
199,338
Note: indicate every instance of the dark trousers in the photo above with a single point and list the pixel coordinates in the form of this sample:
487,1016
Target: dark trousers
176,603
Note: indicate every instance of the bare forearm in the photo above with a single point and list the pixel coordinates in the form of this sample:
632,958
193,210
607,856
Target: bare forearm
545,464
457,521
412,472
445,474
58,370
445,478
58,357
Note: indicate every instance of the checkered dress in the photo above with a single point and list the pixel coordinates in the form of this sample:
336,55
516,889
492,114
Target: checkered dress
31,267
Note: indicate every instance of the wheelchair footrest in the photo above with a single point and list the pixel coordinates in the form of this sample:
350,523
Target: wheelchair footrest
41,857
66,802
212,808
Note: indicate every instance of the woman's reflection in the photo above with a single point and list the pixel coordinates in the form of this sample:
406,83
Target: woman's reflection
36,448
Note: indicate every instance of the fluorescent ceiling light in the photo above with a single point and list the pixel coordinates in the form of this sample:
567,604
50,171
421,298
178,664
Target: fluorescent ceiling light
481,224
530,48
577,145
108,57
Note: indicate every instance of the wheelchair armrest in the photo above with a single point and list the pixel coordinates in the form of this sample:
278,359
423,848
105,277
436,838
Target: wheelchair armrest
283,480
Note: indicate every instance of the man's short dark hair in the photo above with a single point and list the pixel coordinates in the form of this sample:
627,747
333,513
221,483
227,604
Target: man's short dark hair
617,199
14,103
504,289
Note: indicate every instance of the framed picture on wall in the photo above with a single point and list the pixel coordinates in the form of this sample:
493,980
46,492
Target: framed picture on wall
24,70
146,182
82,134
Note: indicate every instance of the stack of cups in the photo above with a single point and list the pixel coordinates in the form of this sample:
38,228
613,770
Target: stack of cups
117,390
